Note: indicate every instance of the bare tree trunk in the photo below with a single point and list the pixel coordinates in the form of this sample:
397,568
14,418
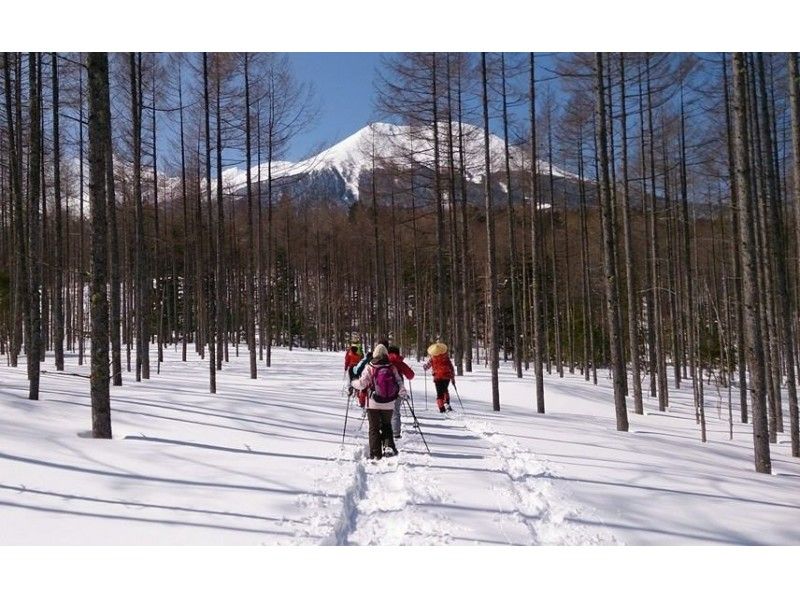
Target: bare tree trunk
535,236
794,94
612,292
755,353
778,289
34,197
737,258
490,241
99,134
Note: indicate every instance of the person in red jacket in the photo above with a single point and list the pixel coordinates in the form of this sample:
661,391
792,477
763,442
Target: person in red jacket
351,359
407,373
443,373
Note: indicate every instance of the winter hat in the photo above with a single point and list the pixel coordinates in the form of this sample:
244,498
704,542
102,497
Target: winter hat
437,349
379,352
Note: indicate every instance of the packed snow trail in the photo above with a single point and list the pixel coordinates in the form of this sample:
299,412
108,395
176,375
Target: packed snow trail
400,500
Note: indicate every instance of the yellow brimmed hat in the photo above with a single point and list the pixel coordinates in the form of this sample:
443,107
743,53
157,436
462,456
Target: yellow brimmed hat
437,349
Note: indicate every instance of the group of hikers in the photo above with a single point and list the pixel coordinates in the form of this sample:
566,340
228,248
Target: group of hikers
377,379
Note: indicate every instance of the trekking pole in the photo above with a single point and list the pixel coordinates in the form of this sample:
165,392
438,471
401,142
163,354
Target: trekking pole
361,425
410,405
417,426
458,396
426,390
363,414
344,430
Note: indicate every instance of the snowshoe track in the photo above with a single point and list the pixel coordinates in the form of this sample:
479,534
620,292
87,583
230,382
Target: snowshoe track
393,501
547,515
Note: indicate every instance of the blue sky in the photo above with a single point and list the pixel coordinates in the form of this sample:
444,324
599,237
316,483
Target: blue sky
344,90
345,93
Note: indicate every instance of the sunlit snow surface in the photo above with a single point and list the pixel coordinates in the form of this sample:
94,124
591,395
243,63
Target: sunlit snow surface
262,462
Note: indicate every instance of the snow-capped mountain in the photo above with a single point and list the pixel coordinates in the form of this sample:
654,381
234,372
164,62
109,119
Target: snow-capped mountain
338,173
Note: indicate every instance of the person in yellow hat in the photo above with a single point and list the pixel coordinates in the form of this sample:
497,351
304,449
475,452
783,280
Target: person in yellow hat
443,373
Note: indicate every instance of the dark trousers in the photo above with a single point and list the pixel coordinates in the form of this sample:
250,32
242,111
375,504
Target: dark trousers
380,431
442,396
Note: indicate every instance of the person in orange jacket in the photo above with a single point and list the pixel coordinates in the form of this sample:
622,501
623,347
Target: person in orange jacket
443,373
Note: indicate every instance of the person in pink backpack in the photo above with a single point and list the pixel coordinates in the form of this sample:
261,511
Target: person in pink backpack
384,386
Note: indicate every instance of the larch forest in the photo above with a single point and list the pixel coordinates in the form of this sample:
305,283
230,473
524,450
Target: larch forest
640,219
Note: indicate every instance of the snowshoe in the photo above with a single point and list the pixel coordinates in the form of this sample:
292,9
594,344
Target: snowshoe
448,407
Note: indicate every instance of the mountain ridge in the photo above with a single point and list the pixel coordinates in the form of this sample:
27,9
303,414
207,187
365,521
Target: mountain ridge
336,172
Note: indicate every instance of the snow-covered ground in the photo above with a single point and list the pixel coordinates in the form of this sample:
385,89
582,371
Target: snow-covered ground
262,462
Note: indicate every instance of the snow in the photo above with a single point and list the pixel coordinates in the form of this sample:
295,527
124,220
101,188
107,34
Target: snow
262,462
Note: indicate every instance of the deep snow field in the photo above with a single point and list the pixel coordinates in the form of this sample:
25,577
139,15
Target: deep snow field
261,462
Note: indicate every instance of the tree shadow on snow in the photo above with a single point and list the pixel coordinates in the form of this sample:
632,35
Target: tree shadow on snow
226,448
144,519
146,478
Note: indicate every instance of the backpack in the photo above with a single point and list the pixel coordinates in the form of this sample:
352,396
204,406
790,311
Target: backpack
385,384
442,367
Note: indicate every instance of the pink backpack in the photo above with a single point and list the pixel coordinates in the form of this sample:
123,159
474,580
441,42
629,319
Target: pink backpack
385,384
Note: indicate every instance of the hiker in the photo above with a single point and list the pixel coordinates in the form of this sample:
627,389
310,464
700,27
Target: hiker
443,372
384,386
357,371
351,359
406,372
